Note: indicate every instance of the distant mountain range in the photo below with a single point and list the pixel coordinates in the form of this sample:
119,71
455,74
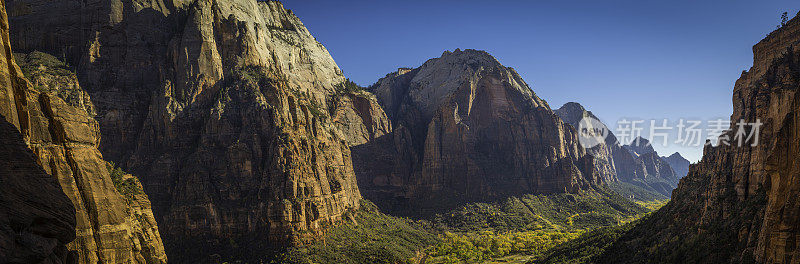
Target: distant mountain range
244,139
636,163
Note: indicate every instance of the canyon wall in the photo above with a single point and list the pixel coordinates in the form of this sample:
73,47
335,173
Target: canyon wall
235,118
466,128
54,118
636,163
739,203
37,220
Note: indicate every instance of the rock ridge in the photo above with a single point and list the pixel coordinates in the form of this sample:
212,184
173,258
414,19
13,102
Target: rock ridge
466,128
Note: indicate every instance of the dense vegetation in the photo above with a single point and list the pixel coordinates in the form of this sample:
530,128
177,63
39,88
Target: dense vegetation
635,192
38,63
487,245
373,238
658,237
527,226
587,246
569,212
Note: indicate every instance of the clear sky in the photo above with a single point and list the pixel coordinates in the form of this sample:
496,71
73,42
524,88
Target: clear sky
620,59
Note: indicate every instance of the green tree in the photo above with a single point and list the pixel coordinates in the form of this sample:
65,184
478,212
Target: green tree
784,18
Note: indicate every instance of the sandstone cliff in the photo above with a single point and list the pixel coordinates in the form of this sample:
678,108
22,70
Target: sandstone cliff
114,225
466,128
55,119
635,163
235,118
36,219
738,204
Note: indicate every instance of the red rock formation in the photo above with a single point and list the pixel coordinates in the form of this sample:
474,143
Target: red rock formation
228,110
738,204
467,128
56,122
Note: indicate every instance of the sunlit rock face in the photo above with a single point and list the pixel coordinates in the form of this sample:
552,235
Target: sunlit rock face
230,112
742,200
37,220
54,118
466,128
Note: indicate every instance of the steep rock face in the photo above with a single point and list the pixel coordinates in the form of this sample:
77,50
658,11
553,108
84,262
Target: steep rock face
639,146
467,128
229,110
740,200
650,170
572,113
678,163
358,116
636,163
63,138
36,219
111,227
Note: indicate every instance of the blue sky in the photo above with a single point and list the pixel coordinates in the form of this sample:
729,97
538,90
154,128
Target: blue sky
620,59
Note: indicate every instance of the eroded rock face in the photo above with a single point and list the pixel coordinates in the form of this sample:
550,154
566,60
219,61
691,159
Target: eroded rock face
111,227
466,128
636,163
359,117
229,111
742,200
37,219
604,153
63,137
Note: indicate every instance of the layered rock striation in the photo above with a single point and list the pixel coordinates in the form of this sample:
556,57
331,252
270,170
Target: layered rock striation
54,118
466,128
739,203
235,118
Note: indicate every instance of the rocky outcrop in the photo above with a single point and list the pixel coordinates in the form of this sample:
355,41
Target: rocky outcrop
678,163
604,153
230,111
357,114
55,120
111,227
636,163
639,146
739,203
466,128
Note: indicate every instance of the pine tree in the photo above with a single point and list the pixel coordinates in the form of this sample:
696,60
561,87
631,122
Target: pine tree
784,18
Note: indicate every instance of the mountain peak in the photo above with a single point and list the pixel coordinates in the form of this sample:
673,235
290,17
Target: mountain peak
470,57
572,113
676,155
639,146
572,106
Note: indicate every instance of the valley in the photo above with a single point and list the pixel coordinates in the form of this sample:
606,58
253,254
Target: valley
223,131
